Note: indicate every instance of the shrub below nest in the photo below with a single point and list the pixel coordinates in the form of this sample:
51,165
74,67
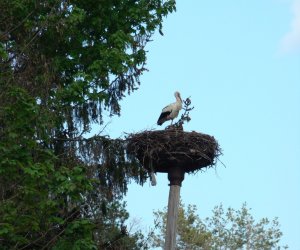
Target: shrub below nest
163,149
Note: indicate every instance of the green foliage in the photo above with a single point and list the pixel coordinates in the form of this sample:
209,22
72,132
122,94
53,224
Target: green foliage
235,229
31,187
85,52
62,64
225,229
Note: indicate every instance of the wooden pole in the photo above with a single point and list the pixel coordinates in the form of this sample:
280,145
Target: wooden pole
176,176
171,232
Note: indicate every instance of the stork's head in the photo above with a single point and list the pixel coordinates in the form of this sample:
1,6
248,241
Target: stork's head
177,95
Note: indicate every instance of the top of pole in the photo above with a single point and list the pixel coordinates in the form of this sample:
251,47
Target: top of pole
176,176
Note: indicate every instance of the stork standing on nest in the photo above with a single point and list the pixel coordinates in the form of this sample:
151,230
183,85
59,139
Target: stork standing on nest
171,111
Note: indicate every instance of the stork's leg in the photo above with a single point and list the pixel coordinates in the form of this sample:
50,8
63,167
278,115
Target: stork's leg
171,121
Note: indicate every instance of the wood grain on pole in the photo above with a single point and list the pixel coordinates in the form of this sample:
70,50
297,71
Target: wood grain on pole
173,204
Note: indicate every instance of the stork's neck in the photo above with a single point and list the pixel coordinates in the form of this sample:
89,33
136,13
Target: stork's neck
178,99
178,102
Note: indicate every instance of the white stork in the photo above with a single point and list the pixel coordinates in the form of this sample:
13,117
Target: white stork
171,111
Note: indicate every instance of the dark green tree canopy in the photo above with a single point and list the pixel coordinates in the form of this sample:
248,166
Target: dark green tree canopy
62,64
85,54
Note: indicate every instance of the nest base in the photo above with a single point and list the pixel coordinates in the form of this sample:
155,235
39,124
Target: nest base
162,150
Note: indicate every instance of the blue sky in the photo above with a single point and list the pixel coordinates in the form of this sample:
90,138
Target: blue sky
240,63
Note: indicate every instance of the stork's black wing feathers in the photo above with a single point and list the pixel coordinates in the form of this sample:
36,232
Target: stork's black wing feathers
163,116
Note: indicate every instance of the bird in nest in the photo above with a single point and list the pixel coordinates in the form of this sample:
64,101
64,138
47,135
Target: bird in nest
171,111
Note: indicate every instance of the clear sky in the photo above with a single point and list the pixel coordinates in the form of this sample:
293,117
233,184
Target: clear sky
240,63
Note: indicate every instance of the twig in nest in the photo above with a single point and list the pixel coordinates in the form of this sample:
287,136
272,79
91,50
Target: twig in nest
184,117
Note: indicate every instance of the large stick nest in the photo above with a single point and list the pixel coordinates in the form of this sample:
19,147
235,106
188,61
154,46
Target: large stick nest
158,151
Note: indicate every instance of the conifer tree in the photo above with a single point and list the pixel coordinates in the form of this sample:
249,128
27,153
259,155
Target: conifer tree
62,64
